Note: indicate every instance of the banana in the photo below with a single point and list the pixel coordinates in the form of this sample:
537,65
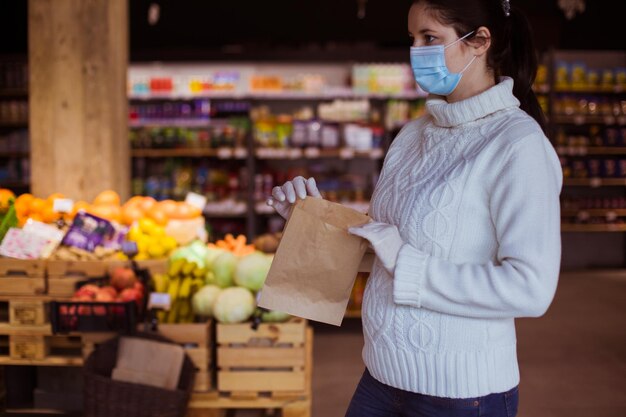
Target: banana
189,267
185,287
175,267
173,290
161,282
199,272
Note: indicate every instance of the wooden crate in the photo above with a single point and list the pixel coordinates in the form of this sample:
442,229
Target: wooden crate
291,403
22,277
22,268
28,311
270,359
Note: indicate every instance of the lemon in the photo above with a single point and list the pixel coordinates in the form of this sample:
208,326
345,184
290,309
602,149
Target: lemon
158,231
141,257
156,250
121,256
169,243
134,233
143,243
147,225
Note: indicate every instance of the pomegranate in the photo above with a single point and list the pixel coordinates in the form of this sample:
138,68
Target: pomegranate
86,292
122,278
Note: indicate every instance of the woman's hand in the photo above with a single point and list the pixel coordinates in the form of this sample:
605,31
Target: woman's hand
285,196
385,240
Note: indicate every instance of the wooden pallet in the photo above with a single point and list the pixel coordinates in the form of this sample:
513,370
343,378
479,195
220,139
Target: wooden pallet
291,403
24,311
35,345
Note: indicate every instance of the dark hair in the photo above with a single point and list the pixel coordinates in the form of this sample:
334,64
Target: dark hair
511,52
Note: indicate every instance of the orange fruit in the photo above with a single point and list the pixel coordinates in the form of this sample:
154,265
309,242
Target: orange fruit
147,203
5,196
48,215
169,208
108,197
131,213
54,196
25,198
157,214
106,211
36,206
134,201
80,205
36,217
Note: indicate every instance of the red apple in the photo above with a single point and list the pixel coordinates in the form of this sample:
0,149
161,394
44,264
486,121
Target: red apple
109,290
88,290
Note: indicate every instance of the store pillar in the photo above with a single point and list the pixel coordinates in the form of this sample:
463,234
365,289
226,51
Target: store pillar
78,58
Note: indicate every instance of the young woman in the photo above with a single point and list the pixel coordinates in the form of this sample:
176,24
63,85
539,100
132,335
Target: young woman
466,221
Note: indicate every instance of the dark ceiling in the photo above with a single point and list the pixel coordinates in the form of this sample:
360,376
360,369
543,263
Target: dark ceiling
311,30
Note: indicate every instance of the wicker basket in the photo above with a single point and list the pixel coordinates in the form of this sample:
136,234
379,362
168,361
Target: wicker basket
105,397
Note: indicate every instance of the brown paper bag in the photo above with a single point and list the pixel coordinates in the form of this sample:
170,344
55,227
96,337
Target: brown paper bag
316,263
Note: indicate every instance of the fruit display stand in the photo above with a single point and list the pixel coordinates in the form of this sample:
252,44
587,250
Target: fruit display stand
22,278
266,368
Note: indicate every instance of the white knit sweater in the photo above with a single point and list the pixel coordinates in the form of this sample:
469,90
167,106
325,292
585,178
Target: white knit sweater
473,188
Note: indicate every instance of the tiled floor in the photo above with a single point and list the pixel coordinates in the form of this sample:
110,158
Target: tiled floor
572,360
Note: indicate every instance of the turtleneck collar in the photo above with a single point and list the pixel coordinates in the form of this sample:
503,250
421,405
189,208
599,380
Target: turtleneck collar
498,97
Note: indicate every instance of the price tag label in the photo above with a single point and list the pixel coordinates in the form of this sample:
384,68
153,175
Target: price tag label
196,200
312,153
346,153
295,153
376,153
63,205
159,301
224,153
595,182
611,216
241,153
579,120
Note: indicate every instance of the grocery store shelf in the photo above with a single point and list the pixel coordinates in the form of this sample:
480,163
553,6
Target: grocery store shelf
36,411
224,215
316,153
593,150
282,95
170,123
590,90
16,123
13,92
567,227
16,154
222,153
541,89
14,184
593,212
595,182
580,120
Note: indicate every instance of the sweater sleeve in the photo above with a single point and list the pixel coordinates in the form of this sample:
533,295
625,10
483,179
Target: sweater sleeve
525,210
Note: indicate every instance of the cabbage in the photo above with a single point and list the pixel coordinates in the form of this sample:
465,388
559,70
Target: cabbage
274,316
212,254
203,300
234,305
252,270
223,269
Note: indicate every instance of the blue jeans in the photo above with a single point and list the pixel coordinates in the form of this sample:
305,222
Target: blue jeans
375,399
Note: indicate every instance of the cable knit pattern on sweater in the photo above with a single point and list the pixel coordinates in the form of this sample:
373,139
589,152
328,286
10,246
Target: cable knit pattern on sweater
473,188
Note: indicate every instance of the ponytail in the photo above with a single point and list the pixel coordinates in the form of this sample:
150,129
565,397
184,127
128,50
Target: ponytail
518,60
511,53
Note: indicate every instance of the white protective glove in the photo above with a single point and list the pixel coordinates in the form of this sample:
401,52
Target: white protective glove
284,197
385,240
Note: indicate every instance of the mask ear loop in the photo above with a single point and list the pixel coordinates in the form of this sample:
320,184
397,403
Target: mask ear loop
459,40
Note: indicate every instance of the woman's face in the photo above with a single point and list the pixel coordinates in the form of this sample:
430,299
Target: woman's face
426,30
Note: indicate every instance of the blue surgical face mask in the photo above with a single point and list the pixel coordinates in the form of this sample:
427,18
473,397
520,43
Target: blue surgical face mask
430,70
